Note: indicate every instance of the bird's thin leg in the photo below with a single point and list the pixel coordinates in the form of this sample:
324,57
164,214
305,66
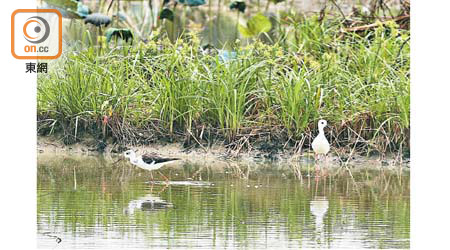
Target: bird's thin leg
316,164
164,188
324,170
316,160
318,167
151,177
165,178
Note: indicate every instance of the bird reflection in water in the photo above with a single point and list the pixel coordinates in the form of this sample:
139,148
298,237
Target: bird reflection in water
148,202
319,207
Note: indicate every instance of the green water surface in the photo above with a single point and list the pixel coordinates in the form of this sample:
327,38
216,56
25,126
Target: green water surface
89,203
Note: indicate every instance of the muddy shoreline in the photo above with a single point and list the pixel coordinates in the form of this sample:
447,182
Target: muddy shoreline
217,154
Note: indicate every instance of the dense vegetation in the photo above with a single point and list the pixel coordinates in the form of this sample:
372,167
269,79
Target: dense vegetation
263,93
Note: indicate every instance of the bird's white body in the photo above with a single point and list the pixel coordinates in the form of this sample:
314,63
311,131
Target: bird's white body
320,144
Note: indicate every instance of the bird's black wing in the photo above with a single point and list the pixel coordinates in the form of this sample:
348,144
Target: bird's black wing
157,159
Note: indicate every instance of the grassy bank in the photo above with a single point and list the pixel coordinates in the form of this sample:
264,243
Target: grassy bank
269,96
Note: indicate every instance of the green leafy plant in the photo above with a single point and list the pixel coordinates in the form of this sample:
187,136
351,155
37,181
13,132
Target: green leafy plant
255,26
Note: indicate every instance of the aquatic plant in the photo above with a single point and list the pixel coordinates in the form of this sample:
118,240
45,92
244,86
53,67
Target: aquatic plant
98,19
124,34
238,5
166,14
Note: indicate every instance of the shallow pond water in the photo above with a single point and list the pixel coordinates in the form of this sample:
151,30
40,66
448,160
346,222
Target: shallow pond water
89,203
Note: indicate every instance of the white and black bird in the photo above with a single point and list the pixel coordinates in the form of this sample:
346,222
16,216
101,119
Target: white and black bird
320,144
148,162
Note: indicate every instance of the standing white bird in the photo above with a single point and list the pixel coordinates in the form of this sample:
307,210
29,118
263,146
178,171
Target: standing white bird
149,162
320,144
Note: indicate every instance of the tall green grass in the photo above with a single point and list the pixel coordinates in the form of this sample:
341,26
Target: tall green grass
358,82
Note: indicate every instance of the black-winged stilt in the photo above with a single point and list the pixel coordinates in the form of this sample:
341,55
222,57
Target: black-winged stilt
148,162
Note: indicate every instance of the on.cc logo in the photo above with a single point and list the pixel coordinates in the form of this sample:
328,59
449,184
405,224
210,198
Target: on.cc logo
36,34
